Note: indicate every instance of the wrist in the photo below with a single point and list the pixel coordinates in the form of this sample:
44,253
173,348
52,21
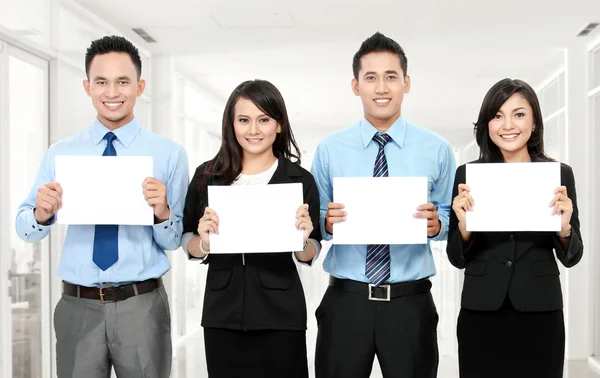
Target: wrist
202,250
563,234
163,216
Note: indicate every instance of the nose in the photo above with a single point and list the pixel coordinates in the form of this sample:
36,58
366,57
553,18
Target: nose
508,123
112,91
381,87
253,129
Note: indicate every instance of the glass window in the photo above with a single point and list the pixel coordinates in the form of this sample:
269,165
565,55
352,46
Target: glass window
27,126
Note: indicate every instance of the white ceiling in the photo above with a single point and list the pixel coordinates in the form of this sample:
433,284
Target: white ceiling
456,50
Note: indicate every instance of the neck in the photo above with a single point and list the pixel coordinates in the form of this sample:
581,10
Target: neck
516,156
383,125
113,125
253,164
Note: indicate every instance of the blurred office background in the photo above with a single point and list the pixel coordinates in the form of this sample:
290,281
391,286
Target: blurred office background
195,52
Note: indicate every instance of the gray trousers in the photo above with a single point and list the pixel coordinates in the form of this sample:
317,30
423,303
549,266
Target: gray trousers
133,336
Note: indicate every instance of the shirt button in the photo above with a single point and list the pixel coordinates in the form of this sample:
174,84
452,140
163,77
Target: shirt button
508,264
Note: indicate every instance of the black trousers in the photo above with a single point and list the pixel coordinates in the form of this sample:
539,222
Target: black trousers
265,354
508,343
353,329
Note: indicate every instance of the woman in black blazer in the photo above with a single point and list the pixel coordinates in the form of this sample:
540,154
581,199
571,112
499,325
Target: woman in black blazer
254,314
511,319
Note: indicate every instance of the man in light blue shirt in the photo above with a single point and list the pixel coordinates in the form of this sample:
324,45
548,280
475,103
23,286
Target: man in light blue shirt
114,310
379,300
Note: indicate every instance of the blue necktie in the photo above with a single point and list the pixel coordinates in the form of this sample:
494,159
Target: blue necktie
378,255
106,237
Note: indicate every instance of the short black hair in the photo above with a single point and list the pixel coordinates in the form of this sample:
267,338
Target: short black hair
379,43
113,43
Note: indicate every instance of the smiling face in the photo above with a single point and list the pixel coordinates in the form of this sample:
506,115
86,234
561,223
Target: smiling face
114,87
381,85
254,130
511,128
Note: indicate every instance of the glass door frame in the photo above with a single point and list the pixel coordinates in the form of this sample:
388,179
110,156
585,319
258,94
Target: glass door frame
8,50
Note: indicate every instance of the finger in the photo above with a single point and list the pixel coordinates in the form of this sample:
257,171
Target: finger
208,210
55,187
153,187
336,213
45,205
426,215
468,203
469,198
156,201
152,195
334,205
554,199
54,197
335,219
427,207
561,189
302,211
304,225
463,188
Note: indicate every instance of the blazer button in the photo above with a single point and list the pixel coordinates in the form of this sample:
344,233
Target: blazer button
511,237
508,264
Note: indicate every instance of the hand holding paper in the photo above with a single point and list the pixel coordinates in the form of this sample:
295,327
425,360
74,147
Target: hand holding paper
47,202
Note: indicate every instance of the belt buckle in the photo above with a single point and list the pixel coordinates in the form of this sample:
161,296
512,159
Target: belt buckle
101,290
386,299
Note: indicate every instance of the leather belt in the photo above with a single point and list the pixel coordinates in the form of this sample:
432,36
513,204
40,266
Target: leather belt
381,292
112,293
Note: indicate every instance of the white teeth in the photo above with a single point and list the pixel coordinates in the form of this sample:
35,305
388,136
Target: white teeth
112,104
382,100
509,136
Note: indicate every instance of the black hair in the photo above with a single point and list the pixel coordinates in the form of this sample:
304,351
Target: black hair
379,43
110,44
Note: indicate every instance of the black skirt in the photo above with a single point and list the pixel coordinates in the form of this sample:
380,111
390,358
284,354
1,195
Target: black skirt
265,354
509,343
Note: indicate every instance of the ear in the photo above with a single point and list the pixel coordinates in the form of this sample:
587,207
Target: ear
278,128
406,84
354,84
141,85
86,87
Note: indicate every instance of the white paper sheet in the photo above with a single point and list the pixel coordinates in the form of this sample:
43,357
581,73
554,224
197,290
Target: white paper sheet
380,210
512,196
256,218
104,189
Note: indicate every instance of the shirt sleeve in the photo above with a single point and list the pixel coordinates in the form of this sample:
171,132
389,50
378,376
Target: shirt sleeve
320,172
441,194
28,229
168,234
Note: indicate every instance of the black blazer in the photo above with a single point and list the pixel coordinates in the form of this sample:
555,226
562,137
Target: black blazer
518,264
265,292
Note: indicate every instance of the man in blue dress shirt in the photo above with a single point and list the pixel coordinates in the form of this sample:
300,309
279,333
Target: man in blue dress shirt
114,310
378,301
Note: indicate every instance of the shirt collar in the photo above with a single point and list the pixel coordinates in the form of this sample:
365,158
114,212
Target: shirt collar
397,131
125,134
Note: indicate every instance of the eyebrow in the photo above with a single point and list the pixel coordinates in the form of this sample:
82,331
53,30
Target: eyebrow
105,79
260,115
387,72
